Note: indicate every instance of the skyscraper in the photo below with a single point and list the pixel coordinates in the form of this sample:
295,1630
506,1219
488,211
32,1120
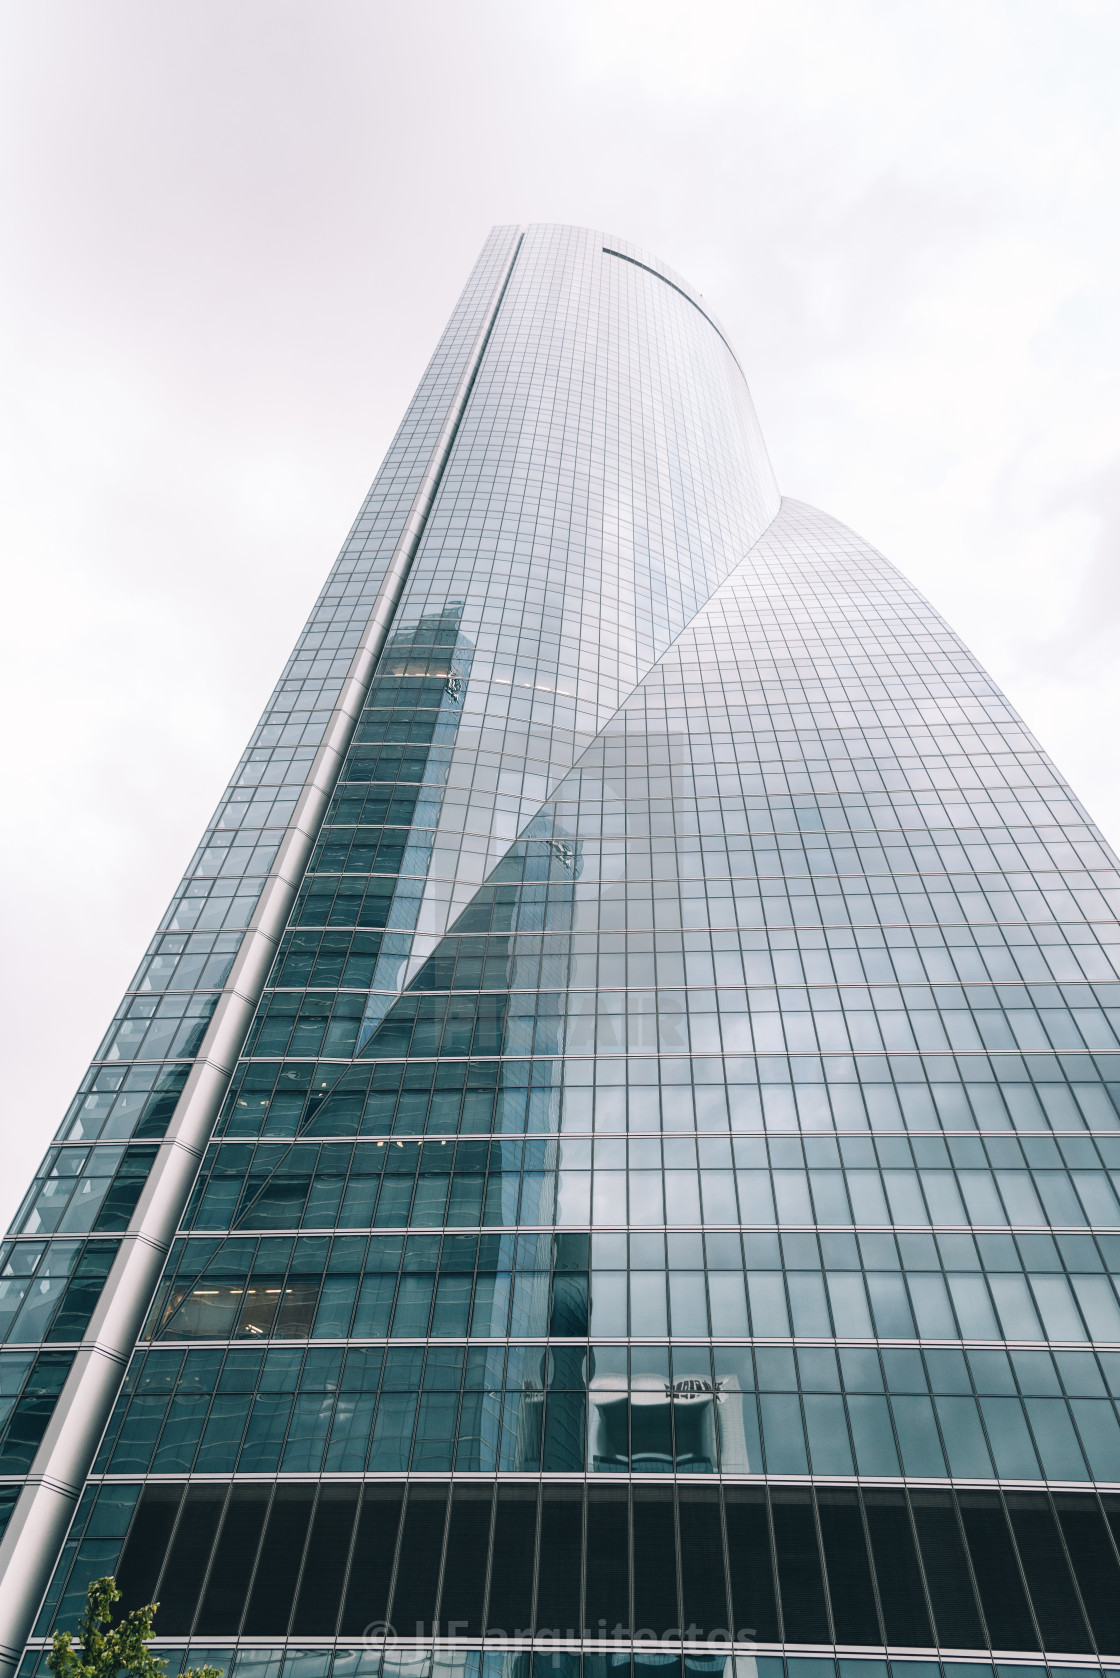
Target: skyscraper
610,1154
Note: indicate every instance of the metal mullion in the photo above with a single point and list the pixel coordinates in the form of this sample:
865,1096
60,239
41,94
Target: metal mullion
304,1555
1024,1581
675,1506
270,1504
348,1564
821,1557
438,1600
866,1530
630,1554
398,1541
1069,1563
213,1552
727,1597
170,1537
967,1549
927,1594
1113,1539
774,1569
489,1574
581,1626
538,1487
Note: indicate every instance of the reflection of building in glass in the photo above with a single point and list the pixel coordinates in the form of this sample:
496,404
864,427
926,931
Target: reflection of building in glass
610,1160
655,1428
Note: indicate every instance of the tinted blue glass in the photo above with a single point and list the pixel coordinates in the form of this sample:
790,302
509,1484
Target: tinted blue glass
688,1048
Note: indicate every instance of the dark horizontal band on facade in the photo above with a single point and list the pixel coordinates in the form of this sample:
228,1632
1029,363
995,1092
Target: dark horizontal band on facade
872,1567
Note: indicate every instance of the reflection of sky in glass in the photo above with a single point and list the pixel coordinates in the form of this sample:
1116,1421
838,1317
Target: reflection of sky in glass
671,1174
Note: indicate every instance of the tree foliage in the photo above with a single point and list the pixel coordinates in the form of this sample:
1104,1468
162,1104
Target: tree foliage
102,1650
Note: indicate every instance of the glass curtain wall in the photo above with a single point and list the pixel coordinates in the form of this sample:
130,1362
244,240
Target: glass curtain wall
665,1206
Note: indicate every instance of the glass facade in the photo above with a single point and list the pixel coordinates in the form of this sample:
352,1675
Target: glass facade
658,1203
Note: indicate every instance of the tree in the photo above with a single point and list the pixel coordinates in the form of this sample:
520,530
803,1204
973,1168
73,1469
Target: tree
120,1649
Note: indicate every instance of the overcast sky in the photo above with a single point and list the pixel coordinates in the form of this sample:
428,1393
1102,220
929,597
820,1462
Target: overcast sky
234,229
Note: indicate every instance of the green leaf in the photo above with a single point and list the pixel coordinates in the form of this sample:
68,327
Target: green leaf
121,1649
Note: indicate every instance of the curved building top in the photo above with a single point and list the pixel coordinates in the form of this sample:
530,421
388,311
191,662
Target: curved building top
608,474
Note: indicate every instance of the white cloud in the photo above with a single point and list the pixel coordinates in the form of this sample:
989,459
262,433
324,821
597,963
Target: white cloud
241,229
